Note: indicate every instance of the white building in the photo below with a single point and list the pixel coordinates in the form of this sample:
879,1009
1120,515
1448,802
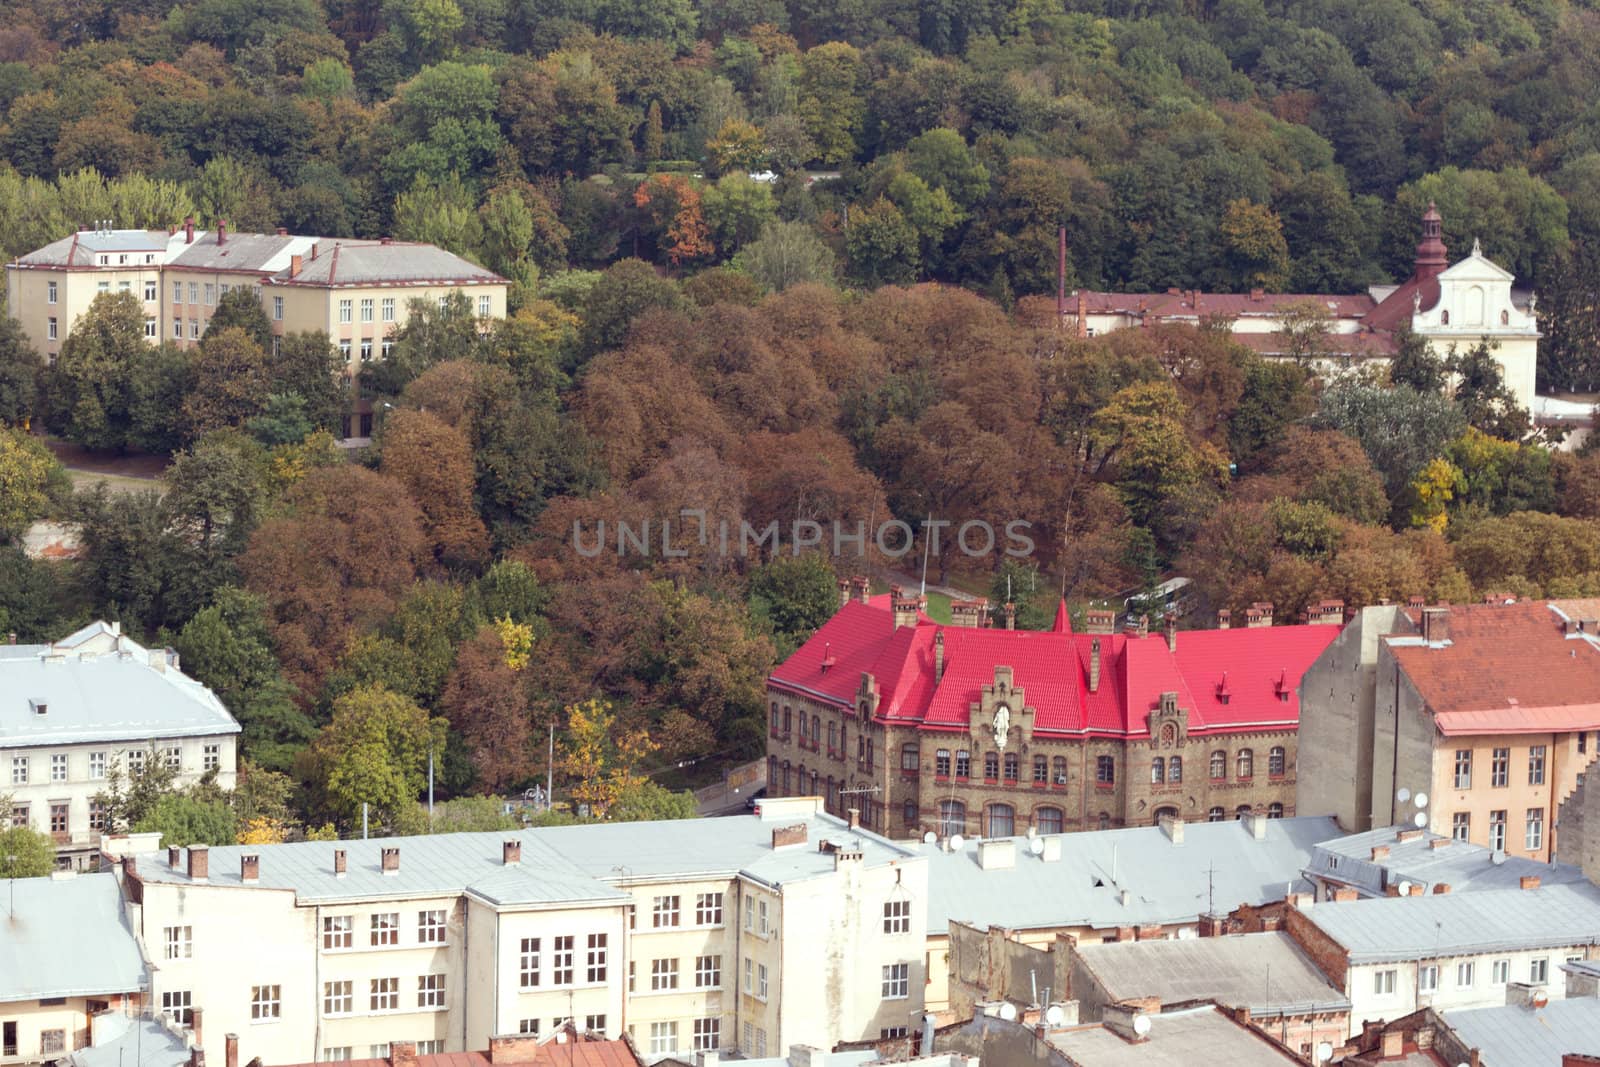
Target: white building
750,933
73,709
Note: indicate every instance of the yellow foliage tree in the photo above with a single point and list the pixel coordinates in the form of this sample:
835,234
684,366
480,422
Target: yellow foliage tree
602,759
263,830
1434,487
517,637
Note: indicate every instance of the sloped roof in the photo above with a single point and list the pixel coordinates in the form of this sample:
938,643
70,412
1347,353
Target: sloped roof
1178,1039
1266,973
1052,668
80,249
564,1048
253,252
1181,304
1428,859
1364,344
1510,1034
68,938
364,263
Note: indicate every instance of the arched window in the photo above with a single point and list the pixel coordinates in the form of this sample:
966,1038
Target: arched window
1444,318
1169,734
1242,810
1048,820
1041,771
1058,770
952,817
1105,770
941,763
816,731
1175,769
777,722
833,738
1105,820
1166,812
814,783
800,779
1275,810
786,714
785,777
1002,820
832,800
1219,765
1013,766
910,759
909,813
1505,318
991,765
1275,761
1215,815
1245,763
963,763
1158,771
772,772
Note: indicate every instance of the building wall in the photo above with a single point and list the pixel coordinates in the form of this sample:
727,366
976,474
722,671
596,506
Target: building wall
27,298
498,938
681,1001
209,287
33,1018
1579,843
1367,1004
1402,743
1561,765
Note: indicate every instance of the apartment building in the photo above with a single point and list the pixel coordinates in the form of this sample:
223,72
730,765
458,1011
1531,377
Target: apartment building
1402,860
745,933
73,709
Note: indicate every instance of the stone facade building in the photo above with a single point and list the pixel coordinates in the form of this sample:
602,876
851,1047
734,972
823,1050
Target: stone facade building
965,729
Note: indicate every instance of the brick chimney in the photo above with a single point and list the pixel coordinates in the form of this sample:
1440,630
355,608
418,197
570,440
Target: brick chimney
1100,621
340,863
1344,894
855,817
283,231
174,853
1436,625
1328,613
1528,881
1224,619
188,230
249,868
295,265
1010,614
905,607
391,862
938,657
1083,316
1380,852
784,836
1169,627
1441,888
1393,1044
230,1056
1094,665
1258,614
861,588
196,1019
844,591
222,232
511,852
968,614
199,863
1258,295
403,1054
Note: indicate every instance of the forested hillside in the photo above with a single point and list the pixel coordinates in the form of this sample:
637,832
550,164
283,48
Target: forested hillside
685,336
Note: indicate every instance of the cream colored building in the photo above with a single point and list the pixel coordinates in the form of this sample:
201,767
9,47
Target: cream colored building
751,933
74,710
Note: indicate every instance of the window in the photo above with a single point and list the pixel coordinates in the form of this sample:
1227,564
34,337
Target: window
211,757
1219,765
180,945
1461,825
264,1003
58,767
385,994
430,1048
595,962
430,927
941,758
1444,318
388,309
908,812
1464,974
19,770
1275,810
58,817
594,1024
761,1042
179,1006
528,1026
952,817
1275,761
194,329
177,292
366,350
749,1040
344,311
1058,770
484,307
1383,982
561,961
344,349
1428,978
194,293
50,292
366,309
1048,820
664,912
97,814
378,1052
707,1034
1244,764
211,293
277,307
762,926
338,931
1175,769
1500,768
150,292
1041,771
1539,970
1216,815
663,1038
897,917
174,758
1012,766
1497,830
1463,768
97,765
1105,770
708,909
52,1041
761,981
1002,820
1158,771
910,759
530,962
19,815
896,981
177,329
104,287
338,998
708,972
51,327
151,330
663,975
386,348
386,928
1536,765
1501,972
963,763
749,975
430,991
1583,740
991,765
1533,835
336,1054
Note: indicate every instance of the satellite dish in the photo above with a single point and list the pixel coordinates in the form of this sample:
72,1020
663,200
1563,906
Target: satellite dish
929,838
1054,1015
1141,1025
1036,845
1405,889
1403,795
1008,1011
1497,857
1421,801
1420,819
957,842
1324,1052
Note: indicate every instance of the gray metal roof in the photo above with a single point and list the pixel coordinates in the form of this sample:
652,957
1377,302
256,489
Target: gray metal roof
1427,859
142,1043
1458,924
1219,866
67,938
1514,1036
1176,1039
1266,973
92,695
353,263
80,249
257,252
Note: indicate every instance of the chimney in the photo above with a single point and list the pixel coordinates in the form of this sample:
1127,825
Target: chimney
1394,1044
844,591
784,836
862,588
511,852
1258,614
1094,665
1412,833
1010,613
1526,995
1528,881
1100,621
249,868
855,818
173,853
1209,925
314,251
188,230
1414,889
1438,843
1224,619
339,863
1119,1019
230,1057
222,232
905,607
295,263
995,855
1344,894
391,859
403,1054
199,862
196,1017
283,231
1083,317
1328,613
1258,295
938,657
1436,625
1255,823
968,614
1380,852
1169,626
1441,888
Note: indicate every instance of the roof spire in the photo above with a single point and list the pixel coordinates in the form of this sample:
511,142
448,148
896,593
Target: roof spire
1063,622
1431,250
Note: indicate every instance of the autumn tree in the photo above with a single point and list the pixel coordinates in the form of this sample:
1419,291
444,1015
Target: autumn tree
488,709
232,381
673,206
601,757
374,753
433,461
30,477
1253,239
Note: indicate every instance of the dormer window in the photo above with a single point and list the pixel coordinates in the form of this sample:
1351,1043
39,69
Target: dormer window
38,707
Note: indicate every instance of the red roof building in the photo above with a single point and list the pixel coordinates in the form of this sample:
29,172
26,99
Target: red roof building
923,726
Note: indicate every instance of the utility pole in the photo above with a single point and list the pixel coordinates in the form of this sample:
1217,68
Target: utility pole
550,772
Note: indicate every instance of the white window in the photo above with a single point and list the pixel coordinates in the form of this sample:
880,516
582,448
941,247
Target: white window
378,1052
1383,982
595,1024
896,981
1539,970
97,765
386,348
58,767
388,309
136,758
125,287
338,931
51,328
762,927
663,1037
1500,974
366,309
178,1004
366,350
708,909
561,961
528,1026
149,292
151,330
212,757
761,1041
264,1003
483,307
430,927
749,913
177,329
344,349
430,991
50,292
664,912
749,1037
1536,765
1497,829
430,1048
178,941
174,757
338,997
384,994
104,287
1461,825
277,307
708,972
595,963
663,974
194,329
530,964
761,980
749,975
224,289
386,928
1465,973
707,1034
1533,835
1428,978
177,292
194,293
336,1054
211,293
897,917
345,311
19,770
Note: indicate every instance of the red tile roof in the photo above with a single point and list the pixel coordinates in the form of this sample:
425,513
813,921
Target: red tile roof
1364,344
553,1051
1507,668
1250,667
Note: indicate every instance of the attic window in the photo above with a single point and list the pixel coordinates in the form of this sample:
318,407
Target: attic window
38,707
1282,687
1224,694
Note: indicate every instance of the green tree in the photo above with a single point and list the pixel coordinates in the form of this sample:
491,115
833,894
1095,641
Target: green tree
160,379
375,752
438,211
26,853
1257,252
942,159
216,490
308,366
443,124
737,210
132,792
184,820
626,289
785,254
87,388
433,332
737,146
19,373
30,477
1415,365
1399,428
240,307
232,381
795,595
882,245
831,104
648,801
